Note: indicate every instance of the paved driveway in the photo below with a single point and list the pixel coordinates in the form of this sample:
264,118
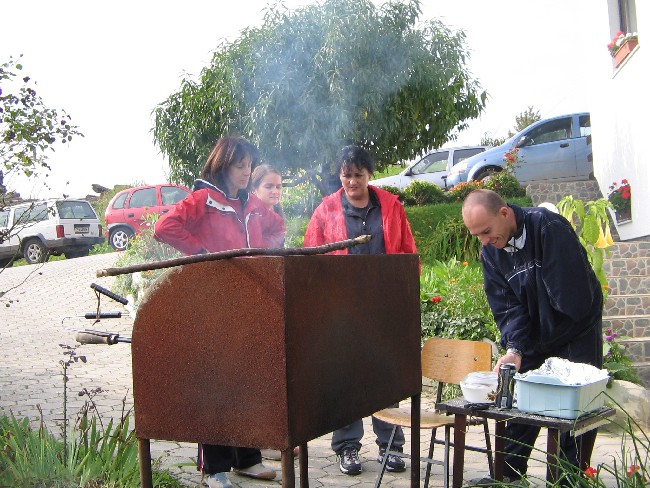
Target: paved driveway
40,311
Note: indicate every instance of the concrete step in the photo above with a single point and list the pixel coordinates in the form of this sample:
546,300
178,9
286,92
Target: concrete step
627,266
628,285
637,304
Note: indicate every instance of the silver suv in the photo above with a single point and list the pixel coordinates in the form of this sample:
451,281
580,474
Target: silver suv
35,230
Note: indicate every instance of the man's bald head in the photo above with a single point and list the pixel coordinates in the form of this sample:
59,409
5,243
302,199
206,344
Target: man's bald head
487,216
489,200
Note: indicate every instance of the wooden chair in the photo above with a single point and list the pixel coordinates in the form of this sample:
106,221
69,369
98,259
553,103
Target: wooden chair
444,361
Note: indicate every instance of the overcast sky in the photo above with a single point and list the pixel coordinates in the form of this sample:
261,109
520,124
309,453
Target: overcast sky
108,64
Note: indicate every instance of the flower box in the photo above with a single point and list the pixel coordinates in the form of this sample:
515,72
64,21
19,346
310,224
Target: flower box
626,48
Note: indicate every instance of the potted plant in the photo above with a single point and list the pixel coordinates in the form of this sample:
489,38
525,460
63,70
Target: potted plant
620,197
622,45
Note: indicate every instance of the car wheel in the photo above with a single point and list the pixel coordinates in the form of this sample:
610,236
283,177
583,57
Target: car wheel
486,172
77,254
119,238
35,252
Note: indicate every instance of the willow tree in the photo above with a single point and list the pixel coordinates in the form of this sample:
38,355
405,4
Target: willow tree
311,80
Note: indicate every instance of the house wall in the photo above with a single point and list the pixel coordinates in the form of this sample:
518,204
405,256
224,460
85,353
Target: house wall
621,141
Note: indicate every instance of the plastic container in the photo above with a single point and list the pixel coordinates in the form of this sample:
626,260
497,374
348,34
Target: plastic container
548,395
479,386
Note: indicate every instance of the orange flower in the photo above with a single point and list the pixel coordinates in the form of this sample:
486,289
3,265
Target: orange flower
591,472
453,280
465,263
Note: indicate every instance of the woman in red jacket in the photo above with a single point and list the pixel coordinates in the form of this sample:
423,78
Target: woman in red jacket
219,215
354,210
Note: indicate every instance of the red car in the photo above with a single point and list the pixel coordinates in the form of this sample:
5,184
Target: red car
125,212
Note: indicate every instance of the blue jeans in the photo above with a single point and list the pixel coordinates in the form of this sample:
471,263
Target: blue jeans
351,435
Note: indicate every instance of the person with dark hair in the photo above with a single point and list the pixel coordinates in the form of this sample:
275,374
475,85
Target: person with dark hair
545,298
219,215
359,209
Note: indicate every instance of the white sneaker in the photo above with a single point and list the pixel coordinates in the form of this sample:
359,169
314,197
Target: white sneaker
218,480
257,471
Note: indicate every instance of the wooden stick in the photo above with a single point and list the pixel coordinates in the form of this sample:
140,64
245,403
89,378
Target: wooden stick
199,258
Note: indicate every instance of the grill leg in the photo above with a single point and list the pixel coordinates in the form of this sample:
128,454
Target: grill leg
144,454
288,470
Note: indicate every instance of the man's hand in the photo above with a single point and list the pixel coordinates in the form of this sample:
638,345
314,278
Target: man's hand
509,357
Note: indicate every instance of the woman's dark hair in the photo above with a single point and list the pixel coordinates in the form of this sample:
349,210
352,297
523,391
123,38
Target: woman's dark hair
355,156
226,152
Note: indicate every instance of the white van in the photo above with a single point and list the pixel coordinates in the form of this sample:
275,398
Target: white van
36,230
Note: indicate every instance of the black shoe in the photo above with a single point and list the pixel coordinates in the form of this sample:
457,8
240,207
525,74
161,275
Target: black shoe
349,462
394,464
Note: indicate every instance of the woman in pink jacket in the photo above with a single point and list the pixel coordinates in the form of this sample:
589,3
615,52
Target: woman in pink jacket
219,215
354,210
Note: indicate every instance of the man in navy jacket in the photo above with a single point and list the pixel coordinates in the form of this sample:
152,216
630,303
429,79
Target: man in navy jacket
545,298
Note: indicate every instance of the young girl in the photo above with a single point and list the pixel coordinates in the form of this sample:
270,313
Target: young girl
220,214
267,185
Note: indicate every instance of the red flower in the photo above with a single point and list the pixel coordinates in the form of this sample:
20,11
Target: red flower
435,299
633,469
591,472
623,182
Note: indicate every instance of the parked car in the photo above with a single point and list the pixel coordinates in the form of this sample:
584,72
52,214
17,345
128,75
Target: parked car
125,212
433,167
36,230
557,148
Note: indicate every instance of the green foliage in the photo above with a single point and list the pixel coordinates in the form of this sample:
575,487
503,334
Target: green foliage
505,184
296,227
490,140
401,195
461,190
388,170
143,248
300,200
589,220
450,240
524,119
424,193
616,359
96,457
312,80
28,129
454,303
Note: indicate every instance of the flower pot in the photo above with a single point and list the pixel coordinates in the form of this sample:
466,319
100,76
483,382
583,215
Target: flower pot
626,48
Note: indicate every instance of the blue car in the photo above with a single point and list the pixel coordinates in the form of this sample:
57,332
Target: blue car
553,149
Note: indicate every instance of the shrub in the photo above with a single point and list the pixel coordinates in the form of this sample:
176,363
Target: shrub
395,191
505,184
461,190
453,302
300,200
424,193
450,240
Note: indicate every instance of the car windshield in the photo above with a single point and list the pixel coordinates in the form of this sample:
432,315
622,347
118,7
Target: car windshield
75,210
431,163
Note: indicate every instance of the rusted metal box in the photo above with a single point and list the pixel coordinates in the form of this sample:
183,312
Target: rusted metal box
271,352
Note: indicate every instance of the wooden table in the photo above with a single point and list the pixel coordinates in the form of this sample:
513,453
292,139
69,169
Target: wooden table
555,426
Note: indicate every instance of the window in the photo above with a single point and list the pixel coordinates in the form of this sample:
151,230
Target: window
119,201
32,213
627,15
585,126
143,198
555,130
431,163
75,210
4,218
462,154
172,194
